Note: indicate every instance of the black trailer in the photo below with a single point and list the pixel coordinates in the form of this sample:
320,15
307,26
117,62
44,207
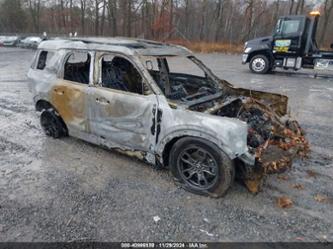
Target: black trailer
292,46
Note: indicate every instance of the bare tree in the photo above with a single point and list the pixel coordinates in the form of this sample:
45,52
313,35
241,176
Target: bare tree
83,7
187,16
276,11
234,21
129,18
328,8
292,3
62,14
249,14
143,17
103,17
12,16
34,9
202,19
71,15
96,9
299,7
112,10
219,19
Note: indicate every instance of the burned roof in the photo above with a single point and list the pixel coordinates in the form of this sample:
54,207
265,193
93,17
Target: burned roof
117,44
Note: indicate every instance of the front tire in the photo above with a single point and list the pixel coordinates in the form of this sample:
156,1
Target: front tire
260,64
52,124
201,167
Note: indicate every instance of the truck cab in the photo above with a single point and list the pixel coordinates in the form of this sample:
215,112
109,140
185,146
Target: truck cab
291,46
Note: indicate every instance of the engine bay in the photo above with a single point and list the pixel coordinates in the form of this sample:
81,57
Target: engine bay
185,88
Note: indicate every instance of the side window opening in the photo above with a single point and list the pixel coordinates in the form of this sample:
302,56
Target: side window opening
120,74
77,67
289,27
34,61
43,59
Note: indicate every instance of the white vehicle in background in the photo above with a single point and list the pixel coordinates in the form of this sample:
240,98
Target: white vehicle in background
30,42
2,38
10,41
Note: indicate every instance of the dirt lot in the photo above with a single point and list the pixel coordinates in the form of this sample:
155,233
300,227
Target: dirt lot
67,190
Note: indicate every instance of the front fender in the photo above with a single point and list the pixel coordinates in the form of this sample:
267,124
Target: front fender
256,51
230,135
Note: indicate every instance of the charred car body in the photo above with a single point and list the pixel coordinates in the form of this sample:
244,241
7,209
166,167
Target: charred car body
133,96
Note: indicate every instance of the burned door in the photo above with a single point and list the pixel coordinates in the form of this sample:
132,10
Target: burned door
121,113
69,94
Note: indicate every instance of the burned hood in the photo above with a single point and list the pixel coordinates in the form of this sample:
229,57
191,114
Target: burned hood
277,102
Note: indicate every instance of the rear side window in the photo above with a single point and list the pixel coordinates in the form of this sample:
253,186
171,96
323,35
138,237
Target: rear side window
77,67
43,59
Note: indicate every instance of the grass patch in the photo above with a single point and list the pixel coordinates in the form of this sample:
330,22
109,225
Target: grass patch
210,47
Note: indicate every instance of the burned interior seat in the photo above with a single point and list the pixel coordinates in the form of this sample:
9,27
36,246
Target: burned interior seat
120,74
112,77
78,72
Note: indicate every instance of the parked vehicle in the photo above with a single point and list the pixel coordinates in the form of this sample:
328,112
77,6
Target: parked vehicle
292,46
2,38
10,41
22,43
136,97
30,42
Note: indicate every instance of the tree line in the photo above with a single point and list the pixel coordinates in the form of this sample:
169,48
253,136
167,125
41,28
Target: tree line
232,21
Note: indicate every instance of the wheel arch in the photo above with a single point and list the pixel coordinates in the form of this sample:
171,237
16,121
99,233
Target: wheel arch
265,52
167,143
167,149
43,104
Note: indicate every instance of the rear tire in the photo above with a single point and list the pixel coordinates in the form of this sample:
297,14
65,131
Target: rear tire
201,167
52,124
260,64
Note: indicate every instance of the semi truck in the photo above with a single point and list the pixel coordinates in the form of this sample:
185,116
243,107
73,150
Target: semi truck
292,46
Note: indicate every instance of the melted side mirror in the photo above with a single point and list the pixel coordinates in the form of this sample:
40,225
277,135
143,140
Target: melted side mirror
149,65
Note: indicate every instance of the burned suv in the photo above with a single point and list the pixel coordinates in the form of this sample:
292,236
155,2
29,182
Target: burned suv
159,103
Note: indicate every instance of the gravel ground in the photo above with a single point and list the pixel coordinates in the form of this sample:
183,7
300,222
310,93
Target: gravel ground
68,190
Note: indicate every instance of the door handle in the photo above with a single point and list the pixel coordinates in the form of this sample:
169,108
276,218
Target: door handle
59,92
102,101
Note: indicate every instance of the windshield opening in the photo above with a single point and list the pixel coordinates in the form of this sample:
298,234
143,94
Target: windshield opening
181,78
